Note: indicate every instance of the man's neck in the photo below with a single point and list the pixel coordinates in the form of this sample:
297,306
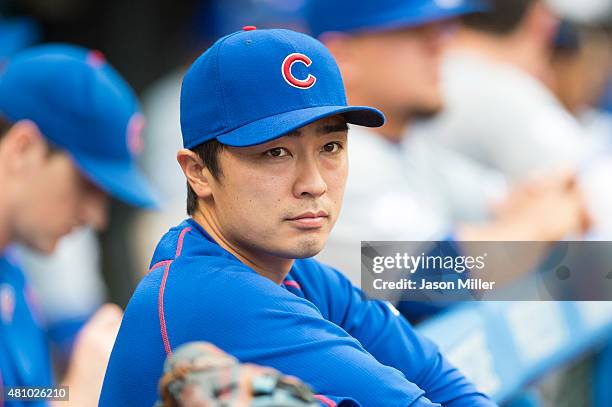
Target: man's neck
396,121
272,267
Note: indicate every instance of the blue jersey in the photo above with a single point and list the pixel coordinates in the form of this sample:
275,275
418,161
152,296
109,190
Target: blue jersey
24,353
315,326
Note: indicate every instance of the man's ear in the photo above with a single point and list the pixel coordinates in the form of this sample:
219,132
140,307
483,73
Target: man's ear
196,173
23,146
541,23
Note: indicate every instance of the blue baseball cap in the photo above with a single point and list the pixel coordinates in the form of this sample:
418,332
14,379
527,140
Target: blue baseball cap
381,15
254,86
83,106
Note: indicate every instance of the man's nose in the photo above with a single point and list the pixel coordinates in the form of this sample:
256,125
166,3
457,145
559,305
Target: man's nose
438,35
309,180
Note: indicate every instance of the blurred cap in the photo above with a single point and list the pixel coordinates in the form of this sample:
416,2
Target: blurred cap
366,15
81,105
567,37
254,86
16,34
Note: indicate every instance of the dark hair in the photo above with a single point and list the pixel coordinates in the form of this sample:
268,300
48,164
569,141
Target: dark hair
209,154
502,18
5,126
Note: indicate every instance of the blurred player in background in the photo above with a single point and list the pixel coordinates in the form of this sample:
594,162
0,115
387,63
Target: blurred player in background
500,110
69,132
399,188
68,282
265,158
581,66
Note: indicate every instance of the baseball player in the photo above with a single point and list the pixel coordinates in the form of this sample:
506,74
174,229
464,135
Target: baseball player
69,131
264,121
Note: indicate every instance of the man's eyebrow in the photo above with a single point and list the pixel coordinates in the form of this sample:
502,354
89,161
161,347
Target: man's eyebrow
322,129
294,133
332,128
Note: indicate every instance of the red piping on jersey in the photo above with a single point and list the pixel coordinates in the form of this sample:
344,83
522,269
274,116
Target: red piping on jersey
291,283
159,264
162,318
325,400
179,246
162,288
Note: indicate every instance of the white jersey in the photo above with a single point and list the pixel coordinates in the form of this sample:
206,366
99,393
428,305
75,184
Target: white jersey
508,121
504,118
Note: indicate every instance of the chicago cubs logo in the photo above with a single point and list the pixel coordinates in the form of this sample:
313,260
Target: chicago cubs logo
288,74
134,140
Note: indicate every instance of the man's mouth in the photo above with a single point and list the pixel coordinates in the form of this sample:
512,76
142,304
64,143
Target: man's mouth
310,219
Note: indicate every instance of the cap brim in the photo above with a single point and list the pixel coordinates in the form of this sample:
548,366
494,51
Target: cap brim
121,180
430,13
270,128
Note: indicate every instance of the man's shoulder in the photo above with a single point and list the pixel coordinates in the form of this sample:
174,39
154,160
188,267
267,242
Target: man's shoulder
208,276
319,278
197,282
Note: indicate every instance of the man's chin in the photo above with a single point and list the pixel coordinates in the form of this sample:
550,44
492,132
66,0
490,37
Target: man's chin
304,249
426,112
43,247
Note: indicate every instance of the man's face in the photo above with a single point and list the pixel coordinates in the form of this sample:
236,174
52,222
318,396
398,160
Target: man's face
283,197
52,198
399,69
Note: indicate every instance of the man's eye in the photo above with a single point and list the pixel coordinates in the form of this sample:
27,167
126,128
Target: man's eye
332,147
277,152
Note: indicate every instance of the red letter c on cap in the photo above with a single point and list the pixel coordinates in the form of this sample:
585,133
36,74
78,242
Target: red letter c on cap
288,75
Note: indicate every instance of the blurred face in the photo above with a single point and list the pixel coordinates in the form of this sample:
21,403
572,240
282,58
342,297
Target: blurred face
282,198
49,195
398,70
580,77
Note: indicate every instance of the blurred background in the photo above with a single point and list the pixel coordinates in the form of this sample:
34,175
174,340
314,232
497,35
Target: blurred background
152,42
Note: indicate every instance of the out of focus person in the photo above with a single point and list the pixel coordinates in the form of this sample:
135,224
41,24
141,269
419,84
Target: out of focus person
69,131
500,110
68,282
402,189
498,107
581,67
